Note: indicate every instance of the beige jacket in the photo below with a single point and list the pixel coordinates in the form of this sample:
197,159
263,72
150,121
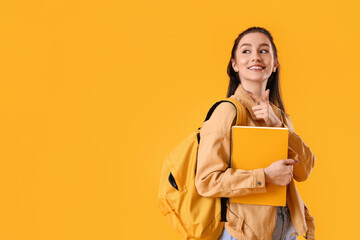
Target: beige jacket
215,179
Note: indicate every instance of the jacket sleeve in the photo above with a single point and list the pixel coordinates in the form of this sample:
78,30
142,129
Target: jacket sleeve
298,150
213,177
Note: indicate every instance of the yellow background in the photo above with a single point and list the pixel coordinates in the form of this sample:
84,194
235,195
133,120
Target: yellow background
94,94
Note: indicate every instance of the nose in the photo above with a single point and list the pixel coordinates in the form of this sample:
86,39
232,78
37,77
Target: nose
256,56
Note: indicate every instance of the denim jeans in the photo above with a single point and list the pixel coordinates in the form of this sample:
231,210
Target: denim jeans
284,229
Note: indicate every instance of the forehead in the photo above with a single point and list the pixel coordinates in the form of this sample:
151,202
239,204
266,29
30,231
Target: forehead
255,39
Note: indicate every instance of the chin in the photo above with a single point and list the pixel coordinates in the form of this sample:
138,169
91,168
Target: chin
257,79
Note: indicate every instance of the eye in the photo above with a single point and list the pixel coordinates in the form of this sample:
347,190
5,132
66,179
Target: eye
264,50
245,51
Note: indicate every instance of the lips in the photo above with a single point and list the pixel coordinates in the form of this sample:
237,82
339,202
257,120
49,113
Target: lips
256,67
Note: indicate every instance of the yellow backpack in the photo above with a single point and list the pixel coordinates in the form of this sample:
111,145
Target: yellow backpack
192,215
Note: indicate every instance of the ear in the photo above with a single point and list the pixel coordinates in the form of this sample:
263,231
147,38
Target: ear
276,64
233,64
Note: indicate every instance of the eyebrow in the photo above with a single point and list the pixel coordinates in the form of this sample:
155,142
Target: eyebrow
248,44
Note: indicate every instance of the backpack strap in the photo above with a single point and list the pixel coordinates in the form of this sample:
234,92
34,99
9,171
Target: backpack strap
240,110
240,120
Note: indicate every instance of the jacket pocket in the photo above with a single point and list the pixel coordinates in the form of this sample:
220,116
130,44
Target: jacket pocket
237,223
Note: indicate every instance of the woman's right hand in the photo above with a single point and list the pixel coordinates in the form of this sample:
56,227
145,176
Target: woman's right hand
280,172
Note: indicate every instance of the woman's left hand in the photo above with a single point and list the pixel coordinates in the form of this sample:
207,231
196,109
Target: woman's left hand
264,110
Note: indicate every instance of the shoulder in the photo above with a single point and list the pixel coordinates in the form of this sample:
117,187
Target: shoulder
224,109
220,120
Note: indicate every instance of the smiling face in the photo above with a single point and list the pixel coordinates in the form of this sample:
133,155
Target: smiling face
254,58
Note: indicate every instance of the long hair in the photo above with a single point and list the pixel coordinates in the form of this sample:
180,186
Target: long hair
273,80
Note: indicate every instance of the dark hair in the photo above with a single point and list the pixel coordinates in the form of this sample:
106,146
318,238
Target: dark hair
273,81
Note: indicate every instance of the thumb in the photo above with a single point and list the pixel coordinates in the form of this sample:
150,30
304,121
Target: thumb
290,161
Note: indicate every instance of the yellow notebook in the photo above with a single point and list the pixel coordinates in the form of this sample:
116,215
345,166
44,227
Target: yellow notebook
258,147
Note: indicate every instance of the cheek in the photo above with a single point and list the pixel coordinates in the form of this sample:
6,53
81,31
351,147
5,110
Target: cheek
269,61
243,62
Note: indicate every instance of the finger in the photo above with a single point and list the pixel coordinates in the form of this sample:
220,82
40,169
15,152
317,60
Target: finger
260,106
289,161
260,112
260,115
257,107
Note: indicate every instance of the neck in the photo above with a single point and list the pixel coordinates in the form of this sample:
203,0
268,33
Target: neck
256,87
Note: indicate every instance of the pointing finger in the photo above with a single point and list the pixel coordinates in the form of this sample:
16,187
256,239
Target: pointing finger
257,107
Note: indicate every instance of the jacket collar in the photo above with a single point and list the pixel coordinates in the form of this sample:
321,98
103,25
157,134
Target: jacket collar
241,95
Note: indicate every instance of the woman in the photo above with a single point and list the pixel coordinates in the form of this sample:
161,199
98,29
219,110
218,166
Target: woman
254,82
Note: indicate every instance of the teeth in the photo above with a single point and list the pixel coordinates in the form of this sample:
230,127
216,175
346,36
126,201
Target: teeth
256,68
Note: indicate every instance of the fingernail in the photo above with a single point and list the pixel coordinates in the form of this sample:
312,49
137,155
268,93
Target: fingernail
296,161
